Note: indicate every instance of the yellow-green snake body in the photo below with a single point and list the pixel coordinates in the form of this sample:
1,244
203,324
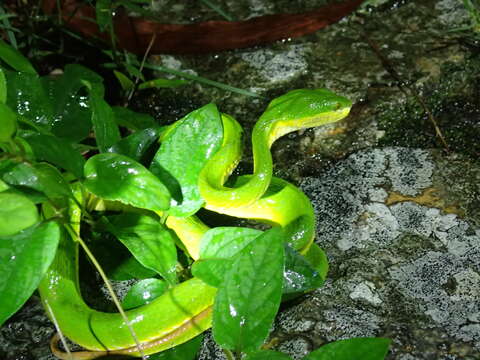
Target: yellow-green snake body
184,311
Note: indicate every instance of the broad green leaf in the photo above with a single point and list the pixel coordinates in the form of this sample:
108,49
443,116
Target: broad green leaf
299,275
8,123
124,81
183,154
150,242
318,259
24,149
137,144
24,259
6,165
3,186
117,177
144,292
211,271
128,269
53,182
16,60
27,96
103,14
249,297
133,120
103,120
297,231
74,120
9,166
268,355
3,87
116,260
185,351
225,242
56,151
217,248
41,177
70,102
162,83
355,348
34,196
16,213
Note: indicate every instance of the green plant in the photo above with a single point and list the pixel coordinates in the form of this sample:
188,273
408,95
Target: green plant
129,70
472,30
53,200
473,8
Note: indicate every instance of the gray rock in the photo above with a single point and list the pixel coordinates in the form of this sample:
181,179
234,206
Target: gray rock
400,266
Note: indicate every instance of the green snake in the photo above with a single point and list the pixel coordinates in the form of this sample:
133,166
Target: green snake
185,310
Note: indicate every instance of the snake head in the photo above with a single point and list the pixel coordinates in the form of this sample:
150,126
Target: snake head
304,108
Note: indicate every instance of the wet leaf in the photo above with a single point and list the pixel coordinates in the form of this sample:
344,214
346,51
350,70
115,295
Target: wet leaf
117,261
7,165
150,242
136,145
57,151
249,297
318,259
8,123
28,97
70,102
117,177
133,120
41,177
54,184
130,268
3,87
24,259
16,60
103,120
217,248
299,275
3,186
183,154
355,348
144,292
16,213
24,148
211,271
224,242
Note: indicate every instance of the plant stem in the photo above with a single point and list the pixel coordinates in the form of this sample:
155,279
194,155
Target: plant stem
201,80
59,331
115,299
144,59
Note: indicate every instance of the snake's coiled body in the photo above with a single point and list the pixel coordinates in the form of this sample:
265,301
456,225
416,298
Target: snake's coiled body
185,310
